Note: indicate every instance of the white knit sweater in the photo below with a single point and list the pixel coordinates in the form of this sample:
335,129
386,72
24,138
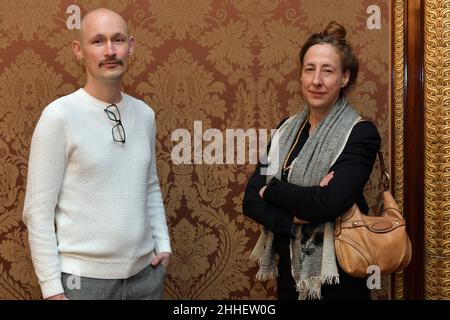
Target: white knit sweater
103,197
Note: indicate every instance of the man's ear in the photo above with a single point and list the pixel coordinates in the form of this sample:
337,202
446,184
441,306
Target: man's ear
132,44
77,49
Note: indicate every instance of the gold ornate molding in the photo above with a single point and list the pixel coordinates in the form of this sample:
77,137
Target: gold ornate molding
437,149
399,61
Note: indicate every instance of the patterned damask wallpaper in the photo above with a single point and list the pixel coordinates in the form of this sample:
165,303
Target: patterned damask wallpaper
231,64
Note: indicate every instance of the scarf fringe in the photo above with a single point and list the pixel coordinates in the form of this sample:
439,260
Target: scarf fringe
331,279
258,250
264,276
311,288
264,273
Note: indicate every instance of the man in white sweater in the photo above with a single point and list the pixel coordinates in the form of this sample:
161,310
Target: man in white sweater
93,207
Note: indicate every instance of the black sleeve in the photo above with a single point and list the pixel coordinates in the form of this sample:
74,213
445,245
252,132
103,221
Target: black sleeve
351,173
276,220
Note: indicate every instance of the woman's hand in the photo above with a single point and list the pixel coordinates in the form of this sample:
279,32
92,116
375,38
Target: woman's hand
299,221
261,191
326,179
322,183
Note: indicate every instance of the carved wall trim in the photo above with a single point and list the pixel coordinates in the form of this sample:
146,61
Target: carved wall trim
399,83
437,149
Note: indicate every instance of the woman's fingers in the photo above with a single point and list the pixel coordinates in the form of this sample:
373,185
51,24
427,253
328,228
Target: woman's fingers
326,179
261,191
299,221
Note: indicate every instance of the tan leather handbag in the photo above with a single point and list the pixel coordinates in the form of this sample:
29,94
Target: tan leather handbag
362,241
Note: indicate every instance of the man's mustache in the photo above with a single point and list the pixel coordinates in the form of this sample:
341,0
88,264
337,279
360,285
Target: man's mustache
103,62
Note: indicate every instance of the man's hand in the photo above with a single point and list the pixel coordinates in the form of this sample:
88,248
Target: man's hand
163,258
60,296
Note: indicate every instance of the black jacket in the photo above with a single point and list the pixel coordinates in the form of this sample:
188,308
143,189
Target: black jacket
283,200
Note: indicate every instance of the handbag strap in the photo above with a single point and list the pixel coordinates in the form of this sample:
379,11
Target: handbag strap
385,179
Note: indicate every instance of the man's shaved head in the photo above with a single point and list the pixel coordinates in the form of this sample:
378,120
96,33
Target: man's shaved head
104,47
101,13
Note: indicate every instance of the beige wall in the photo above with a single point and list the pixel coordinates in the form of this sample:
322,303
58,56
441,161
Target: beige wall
229,64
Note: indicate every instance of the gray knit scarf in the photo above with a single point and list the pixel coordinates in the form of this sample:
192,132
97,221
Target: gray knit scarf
313,260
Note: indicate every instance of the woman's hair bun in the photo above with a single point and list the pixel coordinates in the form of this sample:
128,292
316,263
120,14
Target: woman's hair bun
336,30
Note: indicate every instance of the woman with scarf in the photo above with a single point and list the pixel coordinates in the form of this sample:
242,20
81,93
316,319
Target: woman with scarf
318,164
